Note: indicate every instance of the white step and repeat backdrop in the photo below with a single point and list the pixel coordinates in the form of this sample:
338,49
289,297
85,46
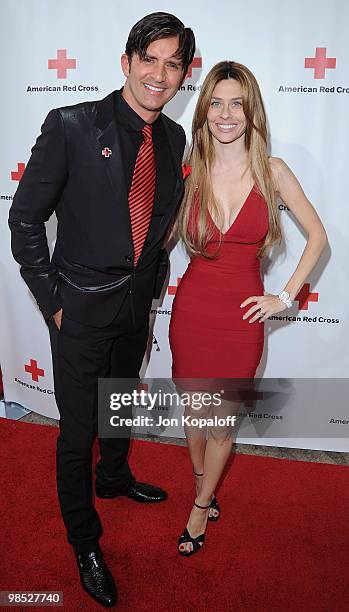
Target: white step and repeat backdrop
59,53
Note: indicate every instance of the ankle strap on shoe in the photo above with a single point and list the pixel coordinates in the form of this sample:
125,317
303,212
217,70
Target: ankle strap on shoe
196,474
202,507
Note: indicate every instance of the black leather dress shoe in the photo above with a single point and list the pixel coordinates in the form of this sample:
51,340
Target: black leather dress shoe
96,578
138,491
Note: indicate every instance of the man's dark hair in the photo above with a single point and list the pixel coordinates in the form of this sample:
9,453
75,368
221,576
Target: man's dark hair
161,25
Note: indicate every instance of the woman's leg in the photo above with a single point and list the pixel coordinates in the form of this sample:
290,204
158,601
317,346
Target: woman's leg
196,442
210,454
197,448
196,436
220,439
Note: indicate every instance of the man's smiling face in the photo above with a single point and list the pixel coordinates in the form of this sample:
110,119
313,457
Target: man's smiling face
152,82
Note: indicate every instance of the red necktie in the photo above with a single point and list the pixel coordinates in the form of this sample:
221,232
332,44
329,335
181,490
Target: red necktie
141,196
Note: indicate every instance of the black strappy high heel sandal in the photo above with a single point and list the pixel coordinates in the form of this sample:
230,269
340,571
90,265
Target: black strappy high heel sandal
185,538
214,504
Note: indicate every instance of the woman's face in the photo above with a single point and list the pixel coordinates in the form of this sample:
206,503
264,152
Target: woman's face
226,120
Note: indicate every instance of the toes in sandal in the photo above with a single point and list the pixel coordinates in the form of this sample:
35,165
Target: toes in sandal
215,506
197,542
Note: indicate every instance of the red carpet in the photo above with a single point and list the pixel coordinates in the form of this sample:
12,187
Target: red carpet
281,544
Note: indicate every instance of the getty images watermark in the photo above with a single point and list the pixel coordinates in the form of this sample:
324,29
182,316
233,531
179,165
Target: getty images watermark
198,401
255,408
155,406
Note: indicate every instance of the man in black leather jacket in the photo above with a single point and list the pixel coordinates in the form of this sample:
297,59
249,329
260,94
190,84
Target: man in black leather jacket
93,293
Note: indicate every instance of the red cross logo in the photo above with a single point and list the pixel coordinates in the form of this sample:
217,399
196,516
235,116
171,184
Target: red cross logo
16,175
34,370
171,289
320,62
106,152
196,63
304,297
61,64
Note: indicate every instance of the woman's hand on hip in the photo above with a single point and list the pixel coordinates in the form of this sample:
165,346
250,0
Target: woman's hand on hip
263,306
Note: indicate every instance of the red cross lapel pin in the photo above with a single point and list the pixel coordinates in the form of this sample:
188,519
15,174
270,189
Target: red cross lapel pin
106,152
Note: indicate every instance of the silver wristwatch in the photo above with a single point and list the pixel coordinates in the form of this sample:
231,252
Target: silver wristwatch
284,296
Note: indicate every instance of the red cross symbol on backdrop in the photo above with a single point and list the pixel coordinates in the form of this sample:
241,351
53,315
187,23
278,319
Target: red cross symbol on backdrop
61,64
171,289
304,297
320,62
16,175
33,369
196,63
106,152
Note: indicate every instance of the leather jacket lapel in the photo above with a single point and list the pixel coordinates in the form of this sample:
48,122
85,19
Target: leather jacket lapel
109,142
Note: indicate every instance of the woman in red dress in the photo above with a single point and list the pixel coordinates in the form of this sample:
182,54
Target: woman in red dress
228,222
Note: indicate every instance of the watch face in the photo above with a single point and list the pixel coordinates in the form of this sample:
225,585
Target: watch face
285,295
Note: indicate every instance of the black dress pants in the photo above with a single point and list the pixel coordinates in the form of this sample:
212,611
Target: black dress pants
81,354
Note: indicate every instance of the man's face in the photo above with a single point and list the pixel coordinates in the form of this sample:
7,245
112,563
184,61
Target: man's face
152,82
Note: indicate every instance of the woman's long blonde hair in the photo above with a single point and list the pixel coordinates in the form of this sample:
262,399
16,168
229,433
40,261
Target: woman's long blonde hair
198,187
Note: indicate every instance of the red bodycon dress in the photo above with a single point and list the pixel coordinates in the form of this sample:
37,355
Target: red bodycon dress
208,337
